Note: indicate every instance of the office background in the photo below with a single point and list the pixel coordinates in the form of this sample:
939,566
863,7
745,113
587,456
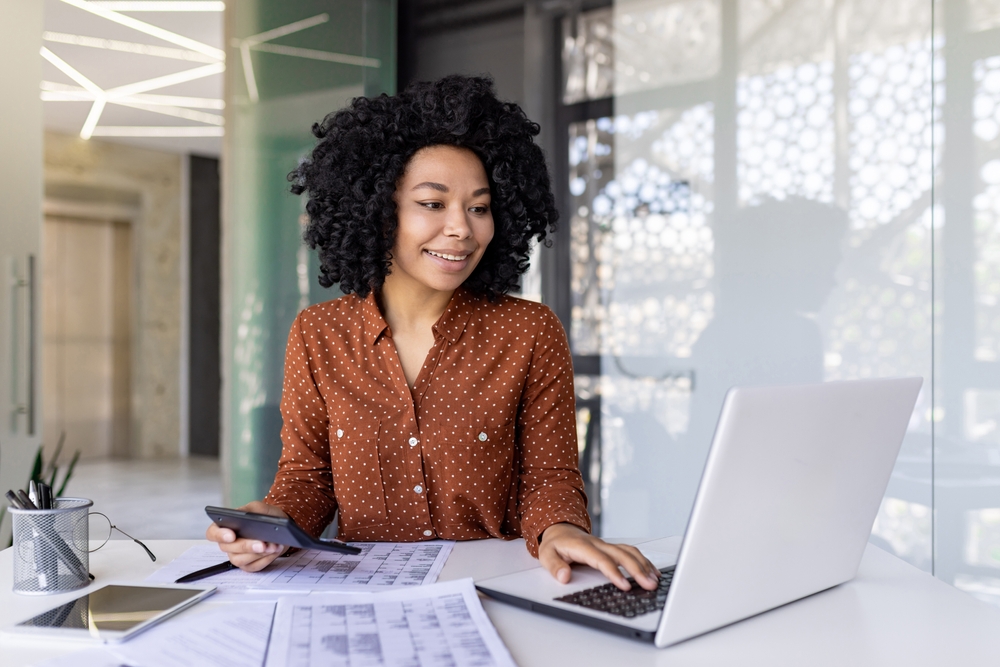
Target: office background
751,191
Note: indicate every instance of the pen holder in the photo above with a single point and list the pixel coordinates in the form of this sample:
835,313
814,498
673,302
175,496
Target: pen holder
50,547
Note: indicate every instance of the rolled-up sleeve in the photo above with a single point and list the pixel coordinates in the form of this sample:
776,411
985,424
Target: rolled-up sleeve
303,485
550,488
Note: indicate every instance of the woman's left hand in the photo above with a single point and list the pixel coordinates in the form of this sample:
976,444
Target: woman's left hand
564,543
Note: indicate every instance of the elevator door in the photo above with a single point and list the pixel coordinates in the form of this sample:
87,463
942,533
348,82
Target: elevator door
86,324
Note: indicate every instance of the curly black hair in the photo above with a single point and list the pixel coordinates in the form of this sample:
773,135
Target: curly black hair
361,154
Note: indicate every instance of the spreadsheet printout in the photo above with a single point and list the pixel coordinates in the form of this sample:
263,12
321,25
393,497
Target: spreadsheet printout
441,625
380,564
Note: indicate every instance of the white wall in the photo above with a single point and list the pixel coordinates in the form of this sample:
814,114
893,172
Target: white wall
20,220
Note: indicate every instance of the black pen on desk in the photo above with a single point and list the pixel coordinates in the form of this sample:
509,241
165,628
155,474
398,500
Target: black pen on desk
207,572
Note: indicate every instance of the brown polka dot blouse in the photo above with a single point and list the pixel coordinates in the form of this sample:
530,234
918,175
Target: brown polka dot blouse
483,446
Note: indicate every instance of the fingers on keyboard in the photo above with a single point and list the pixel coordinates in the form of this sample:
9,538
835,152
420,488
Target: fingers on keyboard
611,599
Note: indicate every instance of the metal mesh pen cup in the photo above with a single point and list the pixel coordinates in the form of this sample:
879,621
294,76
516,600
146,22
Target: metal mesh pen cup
50,547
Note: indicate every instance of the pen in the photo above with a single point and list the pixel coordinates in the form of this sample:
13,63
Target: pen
13,500
45,492
207,572
25,500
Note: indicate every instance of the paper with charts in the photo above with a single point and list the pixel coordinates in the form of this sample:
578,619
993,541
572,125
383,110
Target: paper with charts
430,626
380,564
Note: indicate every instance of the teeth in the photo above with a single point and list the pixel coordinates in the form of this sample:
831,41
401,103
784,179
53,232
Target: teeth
450,258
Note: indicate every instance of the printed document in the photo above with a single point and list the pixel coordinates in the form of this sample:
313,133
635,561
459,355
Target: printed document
441,625
379,565
228,635
231,635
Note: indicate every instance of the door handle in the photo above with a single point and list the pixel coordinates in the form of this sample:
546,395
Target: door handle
23,318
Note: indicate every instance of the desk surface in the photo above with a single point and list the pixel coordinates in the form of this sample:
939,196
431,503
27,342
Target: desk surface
891,614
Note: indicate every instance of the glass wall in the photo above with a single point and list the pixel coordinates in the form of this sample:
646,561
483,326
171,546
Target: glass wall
789,191
289,65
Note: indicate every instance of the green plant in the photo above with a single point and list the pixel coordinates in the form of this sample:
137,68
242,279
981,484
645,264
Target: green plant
48,472
42,472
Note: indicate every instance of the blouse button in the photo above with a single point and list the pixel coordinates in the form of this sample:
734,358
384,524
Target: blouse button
482,437
413,442
428,533
418,489
340,433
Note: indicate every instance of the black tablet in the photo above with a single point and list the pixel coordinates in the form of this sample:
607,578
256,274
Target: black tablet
278,530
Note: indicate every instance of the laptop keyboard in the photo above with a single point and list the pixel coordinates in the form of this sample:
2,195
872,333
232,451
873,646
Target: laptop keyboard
613,600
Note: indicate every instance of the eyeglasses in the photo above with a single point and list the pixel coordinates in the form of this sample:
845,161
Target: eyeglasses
111,527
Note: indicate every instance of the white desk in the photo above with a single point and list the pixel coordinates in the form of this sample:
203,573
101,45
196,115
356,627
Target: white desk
891,614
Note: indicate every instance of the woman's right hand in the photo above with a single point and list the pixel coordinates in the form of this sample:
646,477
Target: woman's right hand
248,555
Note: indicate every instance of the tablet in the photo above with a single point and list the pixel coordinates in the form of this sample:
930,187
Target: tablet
277,530
112,613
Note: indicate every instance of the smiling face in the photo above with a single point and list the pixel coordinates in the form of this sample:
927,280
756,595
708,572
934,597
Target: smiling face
444,220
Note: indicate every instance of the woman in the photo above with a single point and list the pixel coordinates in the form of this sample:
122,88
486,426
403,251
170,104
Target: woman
426,403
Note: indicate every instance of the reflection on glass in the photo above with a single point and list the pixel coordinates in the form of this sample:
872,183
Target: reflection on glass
982,547
587,57
986,203
643,27
786,133
773,227
591,167
983,15
904,529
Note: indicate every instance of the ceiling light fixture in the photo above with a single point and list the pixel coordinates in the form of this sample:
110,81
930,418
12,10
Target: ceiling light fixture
127,47
177,112
61,92
142,26
168,80
161,6
178,101
69,71
148,131
81,95
95,115
100,97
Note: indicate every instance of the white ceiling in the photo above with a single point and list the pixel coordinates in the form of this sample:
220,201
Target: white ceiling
108,69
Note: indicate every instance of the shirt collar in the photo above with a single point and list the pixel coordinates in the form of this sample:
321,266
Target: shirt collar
450,325
452,322
374,324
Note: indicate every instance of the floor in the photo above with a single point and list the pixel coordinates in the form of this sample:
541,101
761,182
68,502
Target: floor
150,499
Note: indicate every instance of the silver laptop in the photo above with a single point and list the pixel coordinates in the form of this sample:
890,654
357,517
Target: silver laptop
790,490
